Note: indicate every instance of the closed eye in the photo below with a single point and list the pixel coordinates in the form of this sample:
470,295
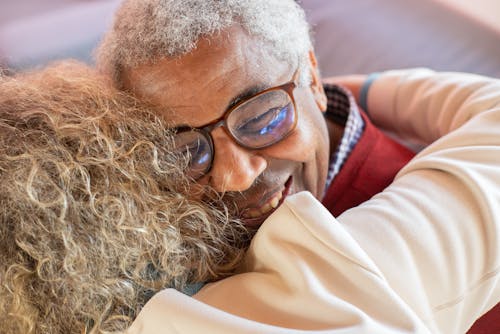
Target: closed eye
265,122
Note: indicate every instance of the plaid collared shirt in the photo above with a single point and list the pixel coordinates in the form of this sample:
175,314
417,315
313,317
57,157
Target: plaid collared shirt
343,110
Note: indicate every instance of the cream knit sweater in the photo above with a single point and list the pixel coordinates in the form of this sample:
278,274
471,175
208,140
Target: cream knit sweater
423,256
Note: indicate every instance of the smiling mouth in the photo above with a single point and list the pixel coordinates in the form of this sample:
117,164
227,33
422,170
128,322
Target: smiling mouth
255,216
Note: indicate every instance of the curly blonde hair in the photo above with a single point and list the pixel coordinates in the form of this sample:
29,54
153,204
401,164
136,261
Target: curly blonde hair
95,213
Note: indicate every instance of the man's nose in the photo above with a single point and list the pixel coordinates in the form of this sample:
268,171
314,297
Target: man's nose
234,168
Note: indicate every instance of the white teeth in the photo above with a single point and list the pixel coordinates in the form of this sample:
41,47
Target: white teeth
266,208
272,204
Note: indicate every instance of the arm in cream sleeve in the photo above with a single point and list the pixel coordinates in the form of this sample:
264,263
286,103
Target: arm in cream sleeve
420,257
443,208
424,105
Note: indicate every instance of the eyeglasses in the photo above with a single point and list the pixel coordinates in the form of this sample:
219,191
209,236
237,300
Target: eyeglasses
257,122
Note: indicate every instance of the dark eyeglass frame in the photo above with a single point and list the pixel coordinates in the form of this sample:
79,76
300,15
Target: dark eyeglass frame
222,121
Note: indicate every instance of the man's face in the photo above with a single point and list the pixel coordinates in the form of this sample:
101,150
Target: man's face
199,87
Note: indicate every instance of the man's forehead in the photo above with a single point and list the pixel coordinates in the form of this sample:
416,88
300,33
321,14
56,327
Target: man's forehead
200,86
202,99
197,110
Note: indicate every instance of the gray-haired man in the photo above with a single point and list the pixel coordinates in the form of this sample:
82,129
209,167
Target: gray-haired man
239,80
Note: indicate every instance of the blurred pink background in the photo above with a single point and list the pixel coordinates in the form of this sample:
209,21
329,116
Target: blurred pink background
355,36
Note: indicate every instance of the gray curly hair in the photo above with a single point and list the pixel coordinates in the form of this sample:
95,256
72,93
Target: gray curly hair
145,31
95,214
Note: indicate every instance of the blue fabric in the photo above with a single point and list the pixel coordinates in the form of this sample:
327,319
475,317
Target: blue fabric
191,289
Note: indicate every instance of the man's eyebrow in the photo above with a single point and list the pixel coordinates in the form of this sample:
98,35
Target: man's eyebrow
247,93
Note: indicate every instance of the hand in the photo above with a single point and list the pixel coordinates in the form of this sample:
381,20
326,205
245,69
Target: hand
353,82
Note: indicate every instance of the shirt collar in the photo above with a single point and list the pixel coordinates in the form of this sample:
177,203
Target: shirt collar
343,110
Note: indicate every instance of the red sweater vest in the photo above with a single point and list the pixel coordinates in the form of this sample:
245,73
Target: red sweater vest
369,169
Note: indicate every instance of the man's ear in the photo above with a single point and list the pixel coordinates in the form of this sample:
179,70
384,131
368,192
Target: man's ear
316,85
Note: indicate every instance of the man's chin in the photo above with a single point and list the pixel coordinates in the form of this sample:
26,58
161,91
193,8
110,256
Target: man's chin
256,222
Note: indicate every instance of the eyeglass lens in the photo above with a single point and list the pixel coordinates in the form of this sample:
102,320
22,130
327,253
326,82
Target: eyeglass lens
262,120
198,148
